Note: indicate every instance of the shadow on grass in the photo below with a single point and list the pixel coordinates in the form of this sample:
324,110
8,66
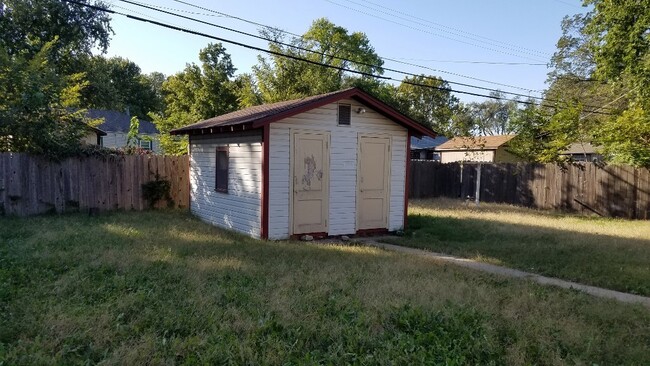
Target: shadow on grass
601,260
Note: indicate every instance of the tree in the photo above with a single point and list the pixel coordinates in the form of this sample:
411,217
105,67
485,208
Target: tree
27,25
600,86
433,106
196,93
118,84
280,78
39,111
493,116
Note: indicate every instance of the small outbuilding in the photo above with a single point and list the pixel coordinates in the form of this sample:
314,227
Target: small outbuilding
489,149
326,165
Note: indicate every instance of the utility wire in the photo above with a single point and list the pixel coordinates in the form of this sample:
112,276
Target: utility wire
147,6
384,58
536,58
474,62
185,30
453,31
336,57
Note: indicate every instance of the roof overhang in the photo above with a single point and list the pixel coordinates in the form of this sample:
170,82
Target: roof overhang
357,94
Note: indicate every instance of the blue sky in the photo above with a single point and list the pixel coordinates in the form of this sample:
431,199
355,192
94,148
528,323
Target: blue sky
425,33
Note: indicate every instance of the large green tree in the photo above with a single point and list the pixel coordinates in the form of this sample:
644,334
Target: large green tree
196,93
428,100
118,84
279,78
27,25
39,108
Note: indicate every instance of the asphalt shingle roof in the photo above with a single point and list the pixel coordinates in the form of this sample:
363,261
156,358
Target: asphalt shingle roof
115,121
476,143
267,113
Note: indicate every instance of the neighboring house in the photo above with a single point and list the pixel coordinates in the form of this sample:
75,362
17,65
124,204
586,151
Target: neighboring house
331,164
582,151
94,136
116,125
493,149
424,148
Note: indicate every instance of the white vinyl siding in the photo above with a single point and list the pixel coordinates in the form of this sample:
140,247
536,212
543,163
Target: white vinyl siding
239,209
117,140
343,166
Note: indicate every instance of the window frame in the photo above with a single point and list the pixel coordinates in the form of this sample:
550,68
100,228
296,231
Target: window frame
221,149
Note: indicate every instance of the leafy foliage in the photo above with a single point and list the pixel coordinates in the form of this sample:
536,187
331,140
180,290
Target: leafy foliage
433,107
118,84
280,78
196,93
37,103
27,25
156,190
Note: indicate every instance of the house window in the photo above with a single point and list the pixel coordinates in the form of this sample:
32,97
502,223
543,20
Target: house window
221,171
145,144
344,114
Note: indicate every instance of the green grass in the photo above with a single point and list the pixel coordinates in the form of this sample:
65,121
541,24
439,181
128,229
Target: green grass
605,252
165,288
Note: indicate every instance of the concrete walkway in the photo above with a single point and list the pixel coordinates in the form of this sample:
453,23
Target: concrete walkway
509,272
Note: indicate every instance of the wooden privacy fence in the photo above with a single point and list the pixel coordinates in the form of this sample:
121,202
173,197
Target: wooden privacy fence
30,185
617,191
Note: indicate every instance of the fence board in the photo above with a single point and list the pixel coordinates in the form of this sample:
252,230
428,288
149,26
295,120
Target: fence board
31,185
619,191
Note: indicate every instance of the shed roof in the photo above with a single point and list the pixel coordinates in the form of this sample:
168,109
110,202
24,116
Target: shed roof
258,116
115,121
475,143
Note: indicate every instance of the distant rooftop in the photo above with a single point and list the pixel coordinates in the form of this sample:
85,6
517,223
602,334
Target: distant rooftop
426,142
476,143
115,121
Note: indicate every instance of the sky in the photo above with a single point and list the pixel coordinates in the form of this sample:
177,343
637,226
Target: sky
496,44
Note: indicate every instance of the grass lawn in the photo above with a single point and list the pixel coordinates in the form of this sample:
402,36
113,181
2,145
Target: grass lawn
605,252
165,288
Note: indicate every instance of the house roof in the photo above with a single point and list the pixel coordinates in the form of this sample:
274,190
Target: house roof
475,143
426,142
115,121
579,148
258,116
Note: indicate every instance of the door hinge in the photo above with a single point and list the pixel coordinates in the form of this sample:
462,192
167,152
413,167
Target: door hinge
325,222
327,144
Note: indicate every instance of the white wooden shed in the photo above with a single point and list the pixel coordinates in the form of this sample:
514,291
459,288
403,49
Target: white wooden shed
331,164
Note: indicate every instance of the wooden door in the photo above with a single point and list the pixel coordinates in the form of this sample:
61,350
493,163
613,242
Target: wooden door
310,181
373,181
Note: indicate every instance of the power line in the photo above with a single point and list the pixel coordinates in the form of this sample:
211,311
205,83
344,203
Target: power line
147,6
536,58
474,62
453,31
189,31
384,58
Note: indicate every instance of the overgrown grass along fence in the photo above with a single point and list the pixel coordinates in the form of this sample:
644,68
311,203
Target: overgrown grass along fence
617,191
31,185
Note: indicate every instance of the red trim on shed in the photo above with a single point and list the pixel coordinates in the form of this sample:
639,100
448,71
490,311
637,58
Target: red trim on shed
265,181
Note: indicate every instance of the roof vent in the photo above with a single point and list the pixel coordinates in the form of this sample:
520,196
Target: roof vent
344,114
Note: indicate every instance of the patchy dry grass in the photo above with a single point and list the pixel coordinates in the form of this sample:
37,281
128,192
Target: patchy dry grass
611,253
164,288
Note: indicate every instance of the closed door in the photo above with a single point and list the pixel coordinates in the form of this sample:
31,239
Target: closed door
310,182
373,182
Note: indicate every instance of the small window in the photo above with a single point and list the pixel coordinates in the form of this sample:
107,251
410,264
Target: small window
221,171
344,114
145,144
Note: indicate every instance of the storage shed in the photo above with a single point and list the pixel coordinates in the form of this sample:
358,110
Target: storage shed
331,164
